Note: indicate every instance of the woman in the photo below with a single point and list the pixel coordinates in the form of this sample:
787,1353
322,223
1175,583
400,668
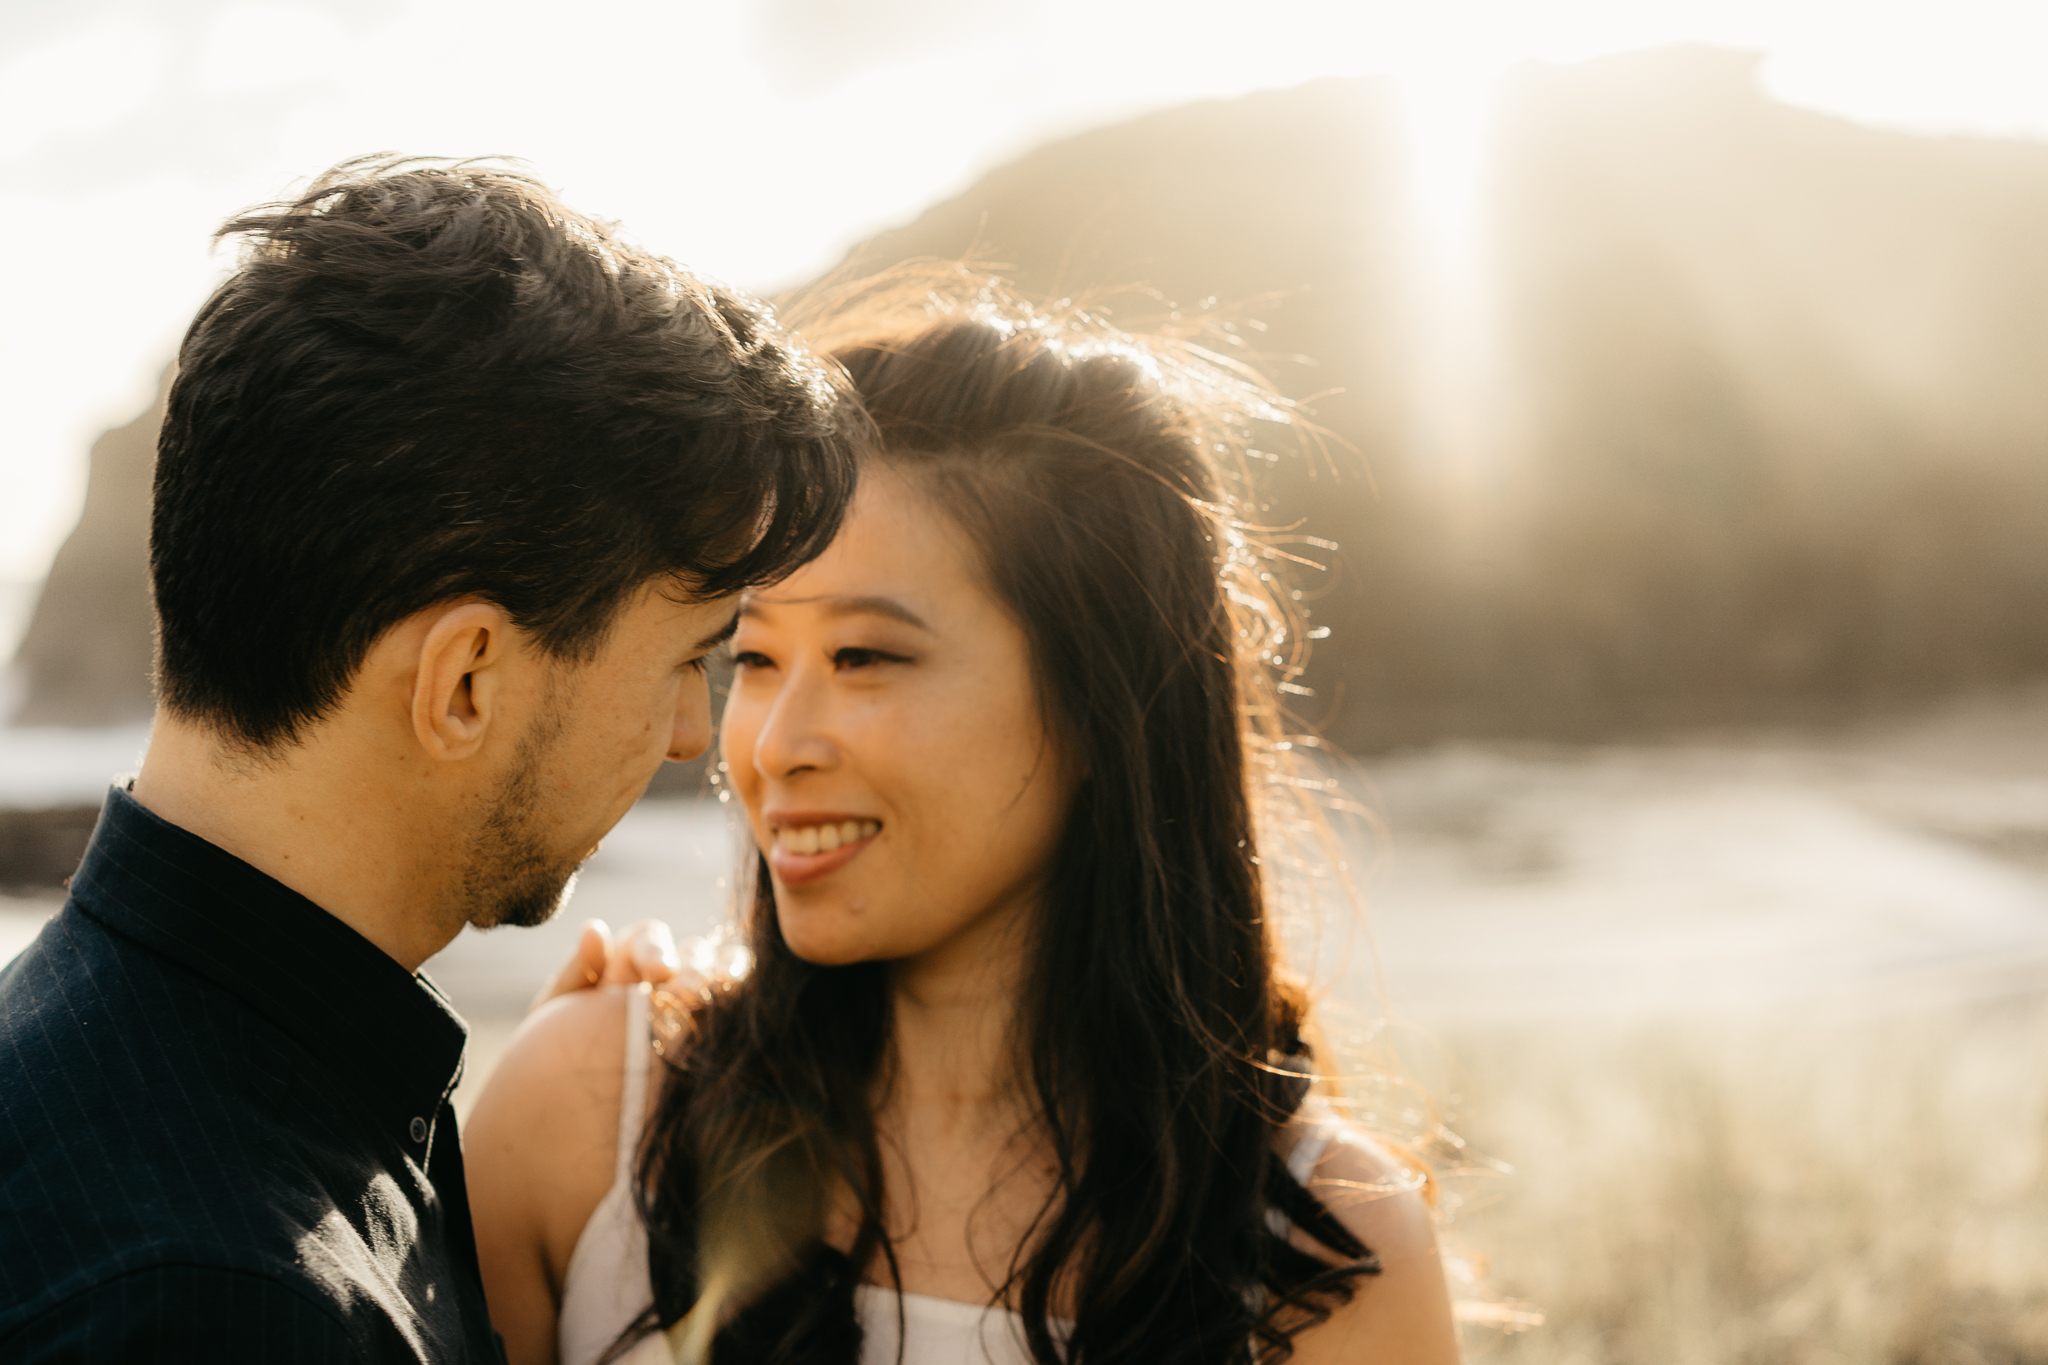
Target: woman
1015,1075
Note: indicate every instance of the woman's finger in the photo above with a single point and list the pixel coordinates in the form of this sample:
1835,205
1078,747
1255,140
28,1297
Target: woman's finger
644,952
585,967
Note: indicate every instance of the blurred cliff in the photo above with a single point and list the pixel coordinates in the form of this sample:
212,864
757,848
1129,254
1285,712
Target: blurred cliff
1775,432
1788,441
1767,438
85,658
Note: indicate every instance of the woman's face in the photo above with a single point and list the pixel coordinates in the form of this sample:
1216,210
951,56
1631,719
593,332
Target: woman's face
885,736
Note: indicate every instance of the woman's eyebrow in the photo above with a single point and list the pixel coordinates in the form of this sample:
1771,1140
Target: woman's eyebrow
873,606
849,605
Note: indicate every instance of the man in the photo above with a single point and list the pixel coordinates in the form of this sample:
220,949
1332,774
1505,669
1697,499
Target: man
454,493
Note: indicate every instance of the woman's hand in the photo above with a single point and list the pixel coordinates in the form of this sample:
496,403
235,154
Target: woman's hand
644,952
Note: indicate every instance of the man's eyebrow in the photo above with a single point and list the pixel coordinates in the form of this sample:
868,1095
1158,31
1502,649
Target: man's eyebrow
719,636
848,606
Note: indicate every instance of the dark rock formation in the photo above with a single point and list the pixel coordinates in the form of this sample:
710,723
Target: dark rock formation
86,655
1775,432
1774,441
1286,210
40,849
1787,445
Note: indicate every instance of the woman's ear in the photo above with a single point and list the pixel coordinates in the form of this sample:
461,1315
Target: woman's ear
457,686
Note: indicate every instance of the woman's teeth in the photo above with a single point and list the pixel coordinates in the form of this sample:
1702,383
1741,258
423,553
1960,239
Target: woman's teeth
825,838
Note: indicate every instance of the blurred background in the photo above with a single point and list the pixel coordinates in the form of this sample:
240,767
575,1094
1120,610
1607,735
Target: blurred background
1682,370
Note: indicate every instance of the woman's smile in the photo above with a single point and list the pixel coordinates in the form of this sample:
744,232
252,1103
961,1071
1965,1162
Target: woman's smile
808,845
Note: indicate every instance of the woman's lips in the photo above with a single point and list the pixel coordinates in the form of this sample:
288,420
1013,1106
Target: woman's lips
797,851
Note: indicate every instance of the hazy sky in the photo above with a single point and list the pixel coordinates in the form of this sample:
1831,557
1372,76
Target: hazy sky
752,139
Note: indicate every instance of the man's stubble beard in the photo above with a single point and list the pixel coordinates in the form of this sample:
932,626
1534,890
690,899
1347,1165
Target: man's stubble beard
510,874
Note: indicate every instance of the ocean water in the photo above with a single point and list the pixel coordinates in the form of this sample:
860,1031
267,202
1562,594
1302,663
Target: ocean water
1887,865
51,766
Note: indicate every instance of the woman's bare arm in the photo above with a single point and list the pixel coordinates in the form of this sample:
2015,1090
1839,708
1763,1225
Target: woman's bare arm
540,1148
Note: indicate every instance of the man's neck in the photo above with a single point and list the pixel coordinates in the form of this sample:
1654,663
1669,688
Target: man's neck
318,819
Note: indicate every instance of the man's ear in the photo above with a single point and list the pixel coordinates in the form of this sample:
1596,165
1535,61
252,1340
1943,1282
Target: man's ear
458,687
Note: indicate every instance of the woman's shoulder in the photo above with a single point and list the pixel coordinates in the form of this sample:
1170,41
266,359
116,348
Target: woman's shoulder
541,1146
1377,1190
565,1068
562,1073
1381,1195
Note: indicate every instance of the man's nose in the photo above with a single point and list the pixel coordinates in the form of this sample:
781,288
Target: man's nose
690,725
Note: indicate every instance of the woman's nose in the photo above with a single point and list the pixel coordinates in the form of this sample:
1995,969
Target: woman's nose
795,736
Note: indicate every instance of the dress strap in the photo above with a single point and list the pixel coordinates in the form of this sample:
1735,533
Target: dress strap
1320,1127
1309,1149
633,1095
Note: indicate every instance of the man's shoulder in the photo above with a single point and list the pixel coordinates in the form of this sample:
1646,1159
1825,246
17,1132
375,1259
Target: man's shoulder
179,1309
139,1125
93,1027
162,1124
76,974
50,959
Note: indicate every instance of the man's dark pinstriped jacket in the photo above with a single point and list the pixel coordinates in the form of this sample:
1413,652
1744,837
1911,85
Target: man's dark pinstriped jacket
224,1127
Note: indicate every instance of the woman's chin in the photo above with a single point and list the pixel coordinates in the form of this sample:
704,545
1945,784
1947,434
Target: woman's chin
818,944
834,956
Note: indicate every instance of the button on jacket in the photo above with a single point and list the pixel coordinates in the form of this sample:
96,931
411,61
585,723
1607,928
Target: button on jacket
225,1132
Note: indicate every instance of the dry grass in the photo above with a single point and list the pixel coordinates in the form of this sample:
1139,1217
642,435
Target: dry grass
1796,1191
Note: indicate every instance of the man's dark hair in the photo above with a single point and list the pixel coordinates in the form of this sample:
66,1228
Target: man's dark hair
430,380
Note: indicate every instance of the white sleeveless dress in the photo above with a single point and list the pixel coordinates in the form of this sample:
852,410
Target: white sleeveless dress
607,1285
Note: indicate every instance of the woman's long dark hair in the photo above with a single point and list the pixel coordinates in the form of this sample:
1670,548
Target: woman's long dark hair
1161,1041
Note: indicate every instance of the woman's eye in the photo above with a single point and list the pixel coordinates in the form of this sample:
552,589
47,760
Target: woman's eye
855,657
748,658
